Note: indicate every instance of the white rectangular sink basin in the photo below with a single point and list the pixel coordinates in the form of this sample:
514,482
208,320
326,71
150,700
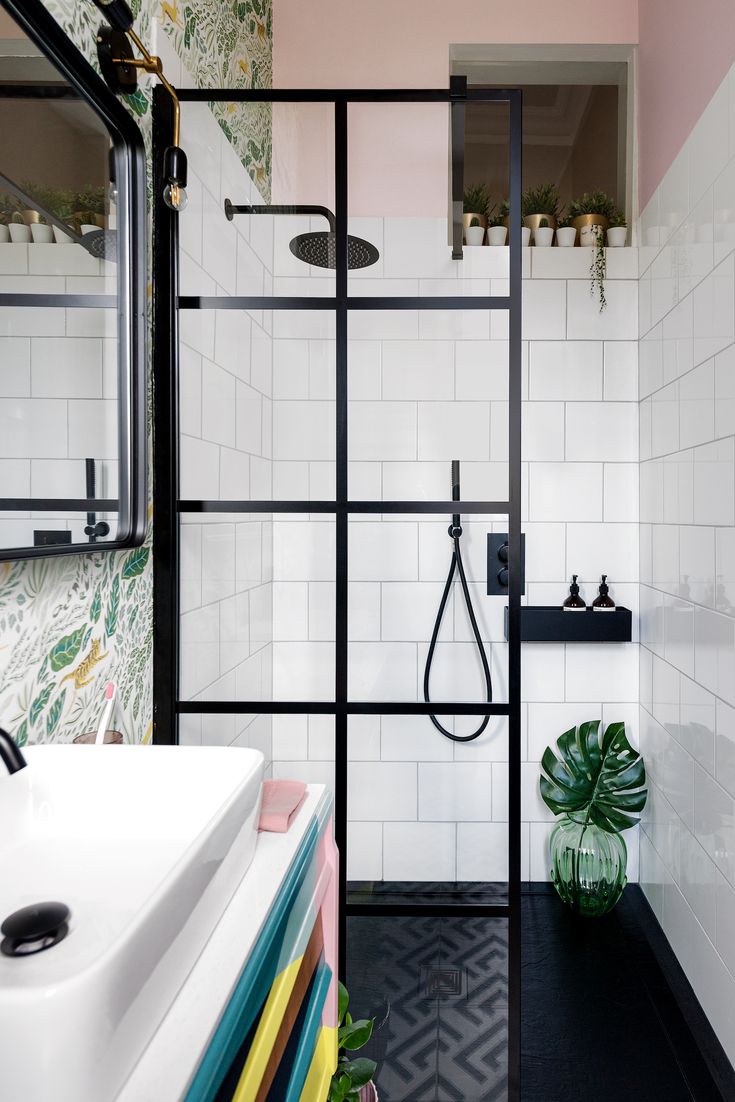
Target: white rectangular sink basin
145,845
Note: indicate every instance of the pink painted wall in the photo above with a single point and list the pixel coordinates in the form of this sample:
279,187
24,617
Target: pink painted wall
400,44
684,53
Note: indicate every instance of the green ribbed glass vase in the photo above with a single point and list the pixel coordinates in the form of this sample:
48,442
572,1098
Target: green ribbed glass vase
587,866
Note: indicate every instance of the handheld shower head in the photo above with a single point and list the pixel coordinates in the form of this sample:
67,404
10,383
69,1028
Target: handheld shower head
456,496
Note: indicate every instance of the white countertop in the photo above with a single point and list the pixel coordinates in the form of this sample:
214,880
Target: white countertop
167,1066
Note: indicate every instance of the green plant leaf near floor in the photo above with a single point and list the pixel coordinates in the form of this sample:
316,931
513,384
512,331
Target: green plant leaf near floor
352,1073
595,779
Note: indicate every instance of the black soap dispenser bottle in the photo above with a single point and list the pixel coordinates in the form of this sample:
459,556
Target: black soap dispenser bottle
574,603
603,602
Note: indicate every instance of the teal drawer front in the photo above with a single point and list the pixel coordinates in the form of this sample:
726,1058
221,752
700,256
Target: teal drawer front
307,1040
255,980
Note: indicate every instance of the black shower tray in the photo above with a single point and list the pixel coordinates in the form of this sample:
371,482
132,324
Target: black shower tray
550,624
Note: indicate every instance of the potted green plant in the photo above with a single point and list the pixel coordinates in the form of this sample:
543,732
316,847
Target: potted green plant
475,203
497,229
504,211
544,233
353,1078
41,230
475,233
594,784
8,207
591,215
537,203
90,209
617,233
566,234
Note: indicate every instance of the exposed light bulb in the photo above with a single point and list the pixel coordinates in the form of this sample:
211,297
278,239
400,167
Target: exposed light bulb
175,197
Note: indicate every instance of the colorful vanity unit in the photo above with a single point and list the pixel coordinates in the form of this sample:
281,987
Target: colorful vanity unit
256,1020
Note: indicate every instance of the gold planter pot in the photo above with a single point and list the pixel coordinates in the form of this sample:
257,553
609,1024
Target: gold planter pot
467,220
533,221
590,220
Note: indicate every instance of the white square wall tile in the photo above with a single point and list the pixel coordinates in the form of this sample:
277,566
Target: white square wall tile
303,430
416,370
419,851
621,371
382,431
455,791
542,431
569,371
621,483
544,309
602,431
542,671
481,370
411,738
593,549
382,790
453,430
482,851
565,491
619,319
595,673
364,851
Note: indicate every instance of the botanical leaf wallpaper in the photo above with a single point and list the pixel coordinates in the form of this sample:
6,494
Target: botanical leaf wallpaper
70,625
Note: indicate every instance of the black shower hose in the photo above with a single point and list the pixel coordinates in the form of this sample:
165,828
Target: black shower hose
455,531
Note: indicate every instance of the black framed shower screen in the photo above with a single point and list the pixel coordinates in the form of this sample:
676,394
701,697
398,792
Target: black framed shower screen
168,507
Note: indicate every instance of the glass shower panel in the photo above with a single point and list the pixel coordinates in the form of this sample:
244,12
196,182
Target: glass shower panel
398,568
427,387
274,162
400,196
438,991
256,591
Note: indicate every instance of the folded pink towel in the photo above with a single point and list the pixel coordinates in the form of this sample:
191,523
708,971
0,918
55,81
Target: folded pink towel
281,801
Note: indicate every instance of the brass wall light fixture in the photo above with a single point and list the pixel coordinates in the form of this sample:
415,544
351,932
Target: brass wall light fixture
119,66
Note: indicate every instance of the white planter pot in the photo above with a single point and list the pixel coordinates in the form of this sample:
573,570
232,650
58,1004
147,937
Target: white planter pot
88,227
62,238
497,235
566,237
4,234
42,234
19,233
589,234
525,236
543,237
474,235
617,236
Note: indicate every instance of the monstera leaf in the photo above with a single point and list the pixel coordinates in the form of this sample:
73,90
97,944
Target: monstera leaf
598,780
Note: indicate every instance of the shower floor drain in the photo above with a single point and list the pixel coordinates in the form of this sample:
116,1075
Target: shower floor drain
442,982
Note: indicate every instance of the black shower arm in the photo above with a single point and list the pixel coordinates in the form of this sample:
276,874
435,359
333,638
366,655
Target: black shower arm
231,210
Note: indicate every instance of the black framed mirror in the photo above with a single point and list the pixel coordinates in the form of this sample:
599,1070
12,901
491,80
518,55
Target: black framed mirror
72,299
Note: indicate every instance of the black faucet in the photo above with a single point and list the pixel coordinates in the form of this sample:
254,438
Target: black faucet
10,753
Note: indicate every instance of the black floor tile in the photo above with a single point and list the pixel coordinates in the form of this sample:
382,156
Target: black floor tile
600,1023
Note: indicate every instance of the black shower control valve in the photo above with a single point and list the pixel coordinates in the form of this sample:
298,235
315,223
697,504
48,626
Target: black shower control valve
498,565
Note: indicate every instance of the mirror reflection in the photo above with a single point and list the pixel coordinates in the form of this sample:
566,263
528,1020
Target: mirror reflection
61,311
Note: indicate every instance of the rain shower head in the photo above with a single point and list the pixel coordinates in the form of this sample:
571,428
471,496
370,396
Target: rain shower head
318,247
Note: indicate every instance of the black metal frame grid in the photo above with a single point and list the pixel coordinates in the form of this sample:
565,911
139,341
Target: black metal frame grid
83,82
168,508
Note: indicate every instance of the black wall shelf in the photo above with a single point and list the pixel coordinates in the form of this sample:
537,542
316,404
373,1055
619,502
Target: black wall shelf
550,624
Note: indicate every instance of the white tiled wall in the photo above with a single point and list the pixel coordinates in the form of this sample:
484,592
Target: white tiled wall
687,384
425,388
226,450
58,386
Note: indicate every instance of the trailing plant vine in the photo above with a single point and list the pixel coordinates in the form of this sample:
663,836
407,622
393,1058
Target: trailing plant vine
598,267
